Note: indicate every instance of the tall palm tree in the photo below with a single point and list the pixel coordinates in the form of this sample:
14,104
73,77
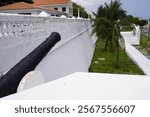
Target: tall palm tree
106,25
101,25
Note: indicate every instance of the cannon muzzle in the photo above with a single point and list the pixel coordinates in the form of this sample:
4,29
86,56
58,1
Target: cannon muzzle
10,81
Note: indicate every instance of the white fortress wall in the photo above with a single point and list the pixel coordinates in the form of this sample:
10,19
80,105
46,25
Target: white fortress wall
20,34
132,37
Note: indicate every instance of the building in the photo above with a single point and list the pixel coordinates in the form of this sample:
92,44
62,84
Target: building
53,7
64,6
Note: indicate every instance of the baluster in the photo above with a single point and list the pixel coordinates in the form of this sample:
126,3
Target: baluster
1,30
37,25
19,28
25,28
9,29
31,28
34,28
14,27
5,29
22,29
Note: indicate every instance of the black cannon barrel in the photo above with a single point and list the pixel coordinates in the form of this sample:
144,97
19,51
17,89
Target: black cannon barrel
10,81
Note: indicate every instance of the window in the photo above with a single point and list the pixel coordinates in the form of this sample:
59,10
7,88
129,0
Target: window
56,9
70,10
63,9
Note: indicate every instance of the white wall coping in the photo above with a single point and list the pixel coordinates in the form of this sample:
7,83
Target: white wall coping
132,38
10,17
90,86
142,61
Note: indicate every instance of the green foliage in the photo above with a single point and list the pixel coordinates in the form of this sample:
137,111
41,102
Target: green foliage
136,21
143,23
106,18
6,2
144,45
106,25
103,62
133,20
144,41
29,1
83,12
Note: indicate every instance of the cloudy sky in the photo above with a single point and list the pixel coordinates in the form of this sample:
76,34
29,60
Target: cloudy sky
140,8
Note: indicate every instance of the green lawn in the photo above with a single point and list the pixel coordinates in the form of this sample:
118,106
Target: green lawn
144,46
104,62
143,41
128,28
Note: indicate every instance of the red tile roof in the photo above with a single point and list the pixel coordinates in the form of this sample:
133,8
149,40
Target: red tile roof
50,2
37,4
19,5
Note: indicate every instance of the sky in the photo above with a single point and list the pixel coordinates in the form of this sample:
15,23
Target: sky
138,8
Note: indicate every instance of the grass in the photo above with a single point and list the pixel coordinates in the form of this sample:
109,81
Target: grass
104,62
144,46
128,28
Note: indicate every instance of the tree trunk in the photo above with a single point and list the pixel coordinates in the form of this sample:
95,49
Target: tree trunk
106,44
117,56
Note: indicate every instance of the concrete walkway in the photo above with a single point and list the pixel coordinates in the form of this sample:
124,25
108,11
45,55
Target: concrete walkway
142,61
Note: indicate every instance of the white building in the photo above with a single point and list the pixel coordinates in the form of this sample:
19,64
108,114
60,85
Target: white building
53,7
64,6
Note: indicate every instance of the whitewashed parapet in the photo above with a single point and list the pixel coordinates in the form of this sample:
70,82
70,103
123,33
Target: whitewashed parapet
27,27
142,61
14,26
20,34
132,37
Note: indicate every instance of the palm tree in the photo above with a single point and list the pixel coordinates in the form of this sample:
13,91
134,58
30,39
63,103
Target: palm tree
106,25
101,25
117,37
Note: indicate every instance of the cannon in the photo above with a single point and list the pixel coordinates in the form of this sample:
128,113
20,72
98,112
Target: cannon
10,81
